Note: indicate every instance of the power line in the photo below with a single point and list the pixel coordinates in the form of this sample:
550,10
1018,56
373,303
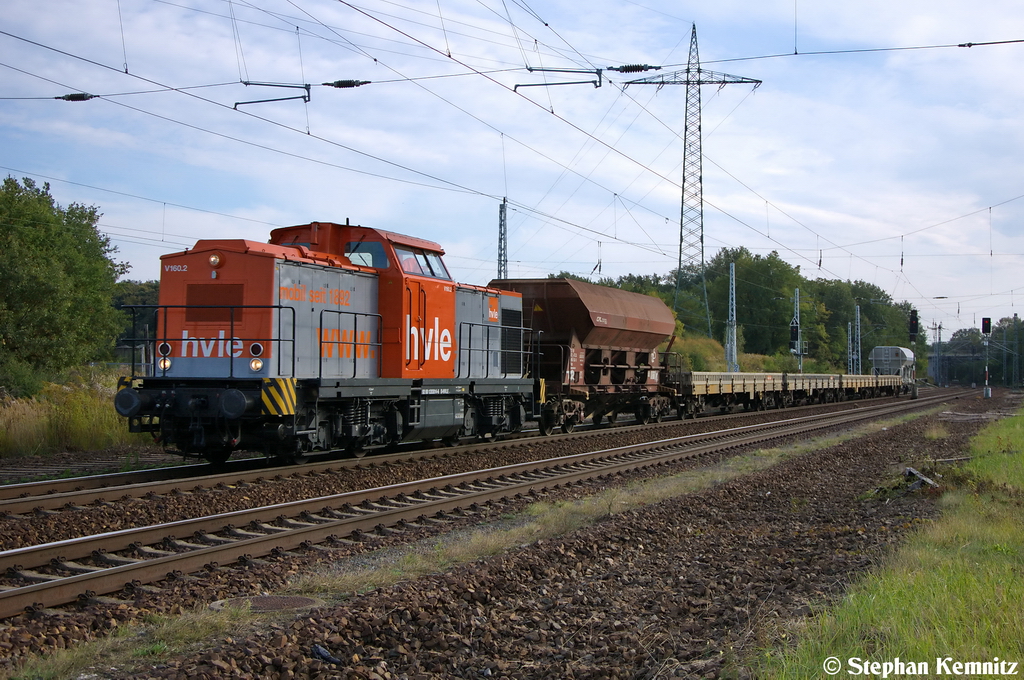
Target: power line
523,207
868,50
129,195
506,87
452,186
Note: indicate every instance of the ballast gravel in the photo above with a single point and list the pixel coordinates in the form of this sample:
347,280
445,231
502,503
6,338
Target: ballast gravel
681,588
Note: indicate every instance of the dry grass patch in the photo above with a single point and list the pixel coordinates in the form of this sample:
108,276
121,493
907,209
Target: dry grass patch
76,416
936,431
157,637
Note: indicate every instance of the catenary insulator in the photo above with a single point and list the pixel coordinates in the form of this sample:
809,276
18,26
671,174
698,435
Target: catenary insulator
77,97
634,68
347,83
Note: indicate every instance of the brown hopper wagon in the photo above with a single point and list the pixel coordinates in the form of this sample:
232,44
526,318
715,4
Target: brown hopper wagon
596,350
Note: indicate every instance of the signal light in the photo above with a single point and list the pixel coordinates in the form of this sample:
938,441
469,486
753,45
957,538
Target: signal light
986,325
913,325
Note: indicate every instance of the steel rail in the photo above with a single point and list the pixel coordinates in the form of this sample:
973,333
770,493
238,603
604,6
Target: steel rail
48,487
39,555
49,494
459,490
53,495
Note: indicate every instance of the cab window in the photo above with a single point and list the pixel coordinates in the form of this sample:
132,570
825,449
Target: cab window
367,254
421,263
437,266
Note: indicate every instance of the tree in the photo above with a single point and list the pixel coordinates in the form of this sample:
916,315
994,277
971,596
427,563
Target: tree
764,297
837,297
137,293
56,282
569,275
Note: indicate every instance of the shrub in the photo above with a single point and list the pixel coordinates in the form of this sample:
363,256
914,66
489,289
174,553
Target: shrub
75,415
18,378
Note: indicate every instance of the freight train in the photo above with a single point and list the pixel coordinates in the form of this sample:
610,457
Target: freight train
343,337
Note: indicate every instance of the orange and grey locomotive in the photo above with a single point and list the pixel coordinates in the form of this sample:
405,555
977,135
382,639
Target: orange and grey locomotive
329,337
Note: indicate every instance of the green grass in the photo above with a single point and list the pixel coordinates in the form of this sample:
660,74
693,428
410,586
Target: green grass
955,589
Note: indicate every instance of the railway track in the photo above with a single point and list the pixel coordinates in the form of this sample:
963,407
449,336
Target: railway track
43,576
56,494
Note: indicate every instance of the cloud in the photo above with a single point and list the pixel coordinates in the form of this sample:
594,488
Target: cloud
831,149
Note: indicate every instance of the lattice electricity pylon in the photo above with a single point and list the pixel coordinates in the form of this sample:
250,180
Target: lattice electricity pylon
691,220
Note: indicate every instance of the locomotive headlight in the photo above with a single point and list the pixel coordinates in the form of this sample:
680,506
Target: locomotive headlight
256,364
216,260
164,363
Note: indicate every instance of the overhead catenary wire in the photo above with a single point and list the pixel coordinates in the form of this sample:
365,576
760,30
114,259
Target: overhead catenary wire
372,156
625,200
50,178
440,183
599,141
869,50
239,53
529,147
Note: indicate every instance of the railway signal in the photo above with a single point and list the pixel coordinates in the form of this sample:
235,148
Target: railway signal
986,330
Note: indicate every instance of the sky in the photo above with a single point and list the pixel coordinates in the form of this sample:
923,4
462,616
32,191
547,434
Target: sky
879,146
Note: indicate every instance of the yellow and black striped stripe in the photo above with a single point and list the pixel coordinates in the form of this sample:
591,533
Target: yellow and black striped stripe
279,396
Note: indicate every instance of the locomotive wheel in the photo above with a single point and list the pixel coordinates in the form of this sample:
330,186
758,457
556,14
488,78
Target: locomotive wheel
546,424
569,424
643,415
